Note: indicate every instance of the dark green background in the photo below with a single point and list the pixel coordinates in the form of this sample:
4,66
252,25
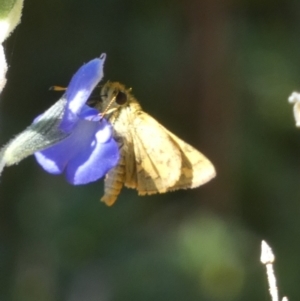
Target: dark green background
218,74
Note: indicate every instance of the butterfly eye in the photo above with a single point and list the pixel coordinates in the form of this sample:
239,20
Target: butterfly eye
121,98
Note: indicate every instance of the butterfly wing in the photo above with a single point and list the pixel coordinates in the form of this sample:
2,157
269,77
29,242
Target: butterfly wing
130,180
196,169
163,161
158,159
150,161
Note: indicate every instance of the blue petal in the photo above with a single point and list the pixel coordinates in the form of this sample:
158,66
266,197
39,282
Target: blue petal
93,163
87,154
53,159
89,113
81,86
96,159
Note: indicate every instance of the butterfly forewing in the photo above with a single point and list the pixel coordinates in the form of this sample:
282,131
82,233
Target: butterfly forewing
158,160
196,169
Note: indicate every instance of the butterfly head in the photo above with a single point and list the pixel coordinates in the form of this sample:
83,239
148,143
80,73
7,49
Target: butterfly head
114,97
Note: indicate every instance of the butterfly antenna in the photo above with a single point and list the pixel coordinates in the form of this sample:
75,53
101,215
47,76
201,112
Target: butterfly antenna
57,88
107,108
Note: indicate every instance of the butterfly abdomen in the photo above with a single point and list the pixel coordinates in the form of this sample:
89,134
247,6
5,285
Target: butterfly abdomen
113,183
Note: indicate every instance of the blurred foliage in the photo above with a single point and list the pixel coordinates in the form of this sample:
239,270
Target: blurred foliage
58,242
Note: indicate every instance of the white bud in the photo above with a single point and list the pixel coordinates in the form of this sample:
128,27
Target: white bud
295,99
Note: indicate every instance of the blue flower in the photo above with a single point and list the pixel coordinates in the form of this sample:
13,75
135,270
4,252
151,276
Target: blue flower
89,150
